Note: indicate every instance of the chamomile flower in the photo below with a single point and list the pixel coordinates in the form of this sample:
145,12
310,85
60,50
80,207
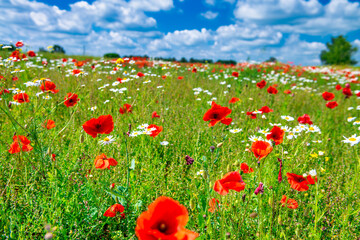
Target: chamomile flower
264,131
143,126
350,119
107,140
313,173
164,143
352,140
275,124
255,138
286,128
47,97
302,127
357,122
235,130
317,141
321,153
314,128
291,135
135,133
93,108
287,118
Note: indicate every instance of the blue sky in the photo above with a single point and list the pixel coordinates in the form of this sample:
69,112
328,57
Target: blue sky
290,30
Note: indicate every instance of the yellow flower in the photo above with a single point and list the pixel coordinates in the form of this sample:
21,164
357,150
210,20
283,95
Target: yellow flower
119,61
322,170
326,159
313,155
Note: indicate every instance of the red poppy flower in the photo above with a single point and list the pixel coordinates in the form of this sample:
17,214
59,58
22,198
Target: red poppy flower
289,203
71,99
163,77
53,157
31,53
245,168
331,104
214,205
276,134
164,219
235,74
116,208
272,90
305,119
19,44
155,115
20,143
127,108
338,87
328,96
300,183
261,84
287,91
103,162
194,70
21,98
180,77
234,100
251,114
101,125
140,74
49,124
231,180
79,64
265,109
217,114
347,92
48,86
261,149
76,71
156,130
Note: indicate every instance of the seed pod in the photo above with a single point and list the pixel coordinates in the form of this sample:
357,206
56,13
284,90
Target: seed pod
253,215
219,145
82,138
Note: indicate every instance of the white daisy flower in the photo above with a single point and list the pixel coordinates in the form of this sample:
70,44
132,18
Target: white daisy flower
350,119
164,143
255,138
135,133
352,140
264,131
287,118
107,140
235,130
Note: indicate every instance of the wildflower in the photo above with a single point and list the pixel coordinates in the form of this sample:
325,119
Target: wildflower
245,168
154,130
135,133
354,139
261,84
107,140
164,219
287,118
305,119
93,108
328,96
276,134
234,100
217,114
251,114
71,99
21,98
338,87
255,138
127,108
164,143
331,105
272,90
298,182
265,109
20,143
347,91
289,203
259,189
214,205
48,86
261,149
114,209
235,130
314,128
231,180
189,160
264,131
155,115
235,74
350,119
49,124
103,162
101,125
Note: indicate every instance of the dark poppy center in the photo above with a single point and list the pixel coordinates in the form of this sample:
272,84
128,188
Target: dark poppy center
162,227
97,126
215,115
71,100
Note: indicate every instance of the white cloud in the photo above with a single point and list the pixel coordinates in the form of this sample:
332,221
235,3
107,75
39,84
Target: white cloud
301,16
209,15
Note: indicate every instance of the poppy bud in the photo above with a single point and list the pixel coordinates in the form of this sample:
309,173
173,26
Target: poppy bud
82,138
253,215
212,148
192,204
219,145
243,197
347,85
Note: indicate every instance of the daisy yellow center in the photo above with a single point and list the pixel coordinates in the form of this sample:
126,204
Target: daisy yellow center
106,139
286,118
311,129
352,139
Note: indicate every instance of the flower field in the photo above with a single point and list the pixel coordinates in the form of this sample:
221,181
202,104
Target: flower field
137,149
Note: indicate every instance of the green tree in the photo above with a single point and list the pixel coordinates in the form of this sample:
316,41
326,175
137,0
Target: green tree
339,52
58,49
111,55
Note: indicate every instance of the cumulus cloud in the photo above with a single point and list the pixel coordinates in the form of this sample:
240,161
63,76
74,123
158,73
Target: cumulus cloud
301,16
210,15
